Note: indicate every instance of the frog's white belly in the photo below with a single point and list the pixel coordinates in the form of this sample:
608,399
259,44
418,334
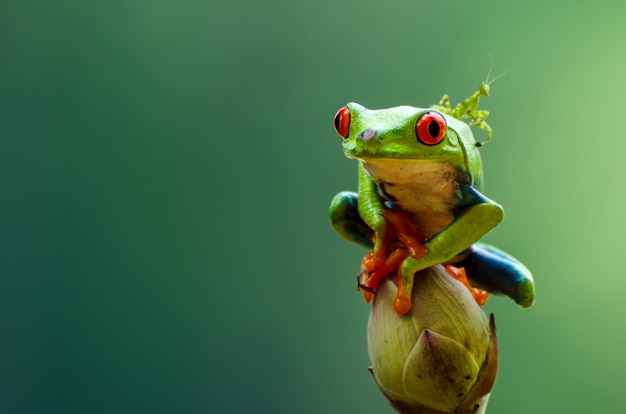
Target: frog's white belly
424,190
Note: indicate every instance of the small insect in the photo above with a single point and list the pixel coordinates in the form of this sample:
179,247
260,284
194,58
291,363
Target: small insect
469,108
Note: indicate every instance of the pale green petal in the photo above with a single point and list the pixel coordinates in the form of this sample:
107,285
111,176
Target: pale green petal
442,304
439,372
385,326
441,357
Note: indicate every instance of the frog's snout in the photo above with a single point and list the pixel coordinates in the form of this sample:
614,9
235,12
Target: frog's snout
368,134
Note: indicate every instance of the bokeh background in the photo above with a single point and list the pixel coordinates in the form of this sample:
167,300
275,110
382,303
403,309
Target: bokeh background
166,169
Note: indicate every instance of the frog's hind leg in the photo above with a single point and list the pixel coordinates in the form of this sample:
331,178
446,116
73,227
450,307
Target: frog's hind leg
345,218
498,272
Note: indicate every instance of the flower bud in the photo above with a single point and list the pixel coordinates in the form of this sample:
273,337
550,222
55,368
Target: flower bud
442,356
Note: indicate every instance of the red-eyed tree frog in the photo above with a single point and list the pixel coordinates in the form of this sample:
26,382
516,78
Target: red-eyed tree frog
419,200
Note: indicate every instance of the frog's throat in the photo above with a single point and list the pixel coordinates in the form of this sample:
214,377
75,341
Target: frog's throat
412,172
425,190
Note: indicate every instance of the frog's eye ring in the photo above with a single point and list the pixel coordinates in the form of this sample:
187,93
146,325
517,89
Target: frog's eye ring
431,128
342,122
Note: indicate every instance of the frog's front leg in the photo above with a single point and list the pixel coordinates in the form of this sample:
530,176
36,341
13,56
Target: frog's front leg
360,218
476,218
371,209
347,221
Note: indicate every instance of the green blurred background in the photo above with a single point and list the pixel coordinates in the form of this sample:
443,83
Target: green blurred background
166,169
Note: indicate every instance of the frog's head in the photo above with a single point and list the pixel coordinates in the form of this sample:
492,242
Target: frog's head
407,133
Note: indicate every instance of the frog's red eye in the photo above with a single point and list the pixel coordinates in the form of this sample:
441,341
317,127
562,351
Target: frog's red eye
342,122
431,128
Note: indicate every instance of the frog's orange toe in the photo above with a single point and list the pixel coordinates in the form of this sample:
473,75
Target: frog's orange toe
480,296
364,286
367,295
374,261
402,304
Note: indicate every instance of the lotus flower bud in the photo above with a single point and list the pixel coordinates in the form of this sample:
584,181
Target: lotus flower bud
442,356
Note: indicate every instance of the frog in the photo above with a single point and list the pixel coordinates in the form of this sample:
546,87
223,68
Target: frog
420,201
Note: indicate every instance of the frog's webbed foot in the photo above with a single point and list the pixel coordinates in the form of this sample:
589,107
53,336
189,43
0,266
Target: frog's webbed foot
402,239
368,281
480,296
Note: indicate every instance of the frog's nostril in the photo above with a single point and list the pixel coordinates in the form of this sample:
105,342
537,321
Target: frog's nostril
368,134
